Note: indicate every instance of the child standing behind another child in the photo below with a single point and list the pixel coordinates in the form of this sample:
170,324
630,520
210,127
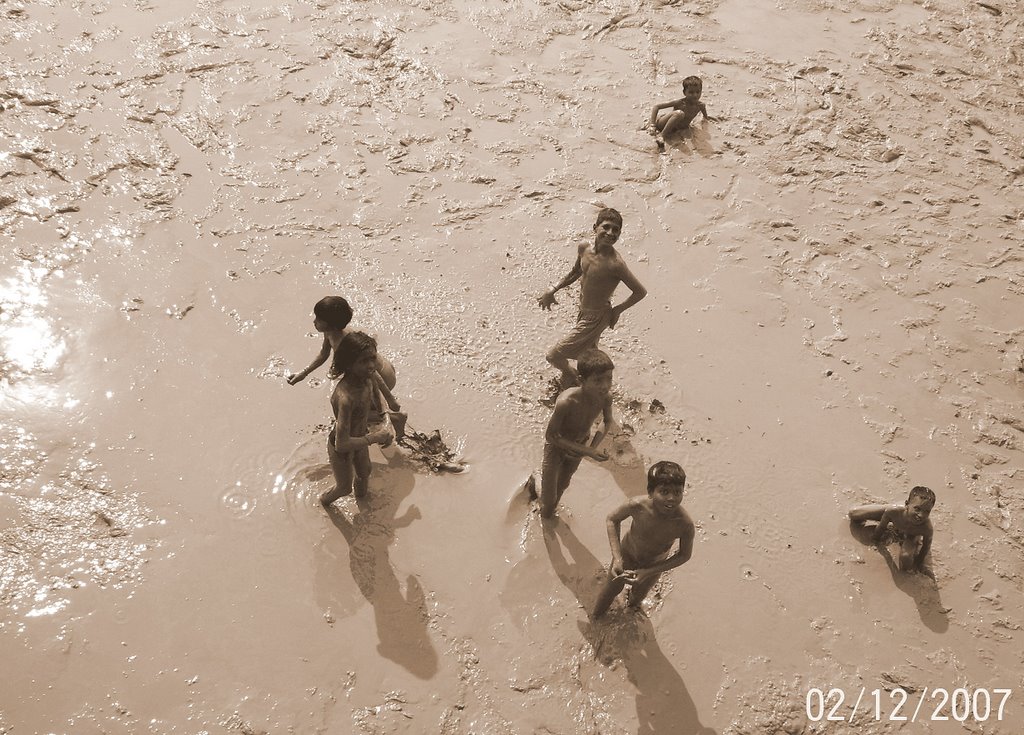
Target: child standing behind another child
348,445
331,317
568,430
658,521
684,111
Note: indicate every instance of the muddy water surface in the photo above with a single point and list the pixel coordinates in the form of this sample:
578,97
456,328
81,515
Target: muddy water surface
835,275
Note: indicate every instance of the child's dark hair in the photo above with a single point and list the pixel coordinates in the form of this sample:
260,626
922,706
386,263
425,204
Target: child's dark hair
664,473
694,80
920,491
593,362
334,310
607,213
352,345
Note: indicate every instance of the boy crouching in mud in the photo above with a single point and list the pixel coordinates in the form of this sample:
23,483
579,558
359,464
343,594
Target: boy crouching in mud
576,409
910,522
684,111
348,445
658,520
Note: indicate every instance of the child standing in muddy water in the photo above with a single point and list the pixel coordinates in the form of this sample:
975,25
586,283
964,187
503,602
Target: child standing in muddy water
348,444
684,111
331,317
913,529
568,430
599,268
658,522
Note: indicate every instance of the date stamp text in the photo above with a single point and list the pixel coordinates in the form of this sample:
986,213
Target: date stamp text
901,705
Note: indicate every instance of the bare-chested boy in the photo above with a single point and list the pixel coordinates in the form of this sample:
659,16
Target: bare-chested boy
331,317
658,521
684,111
910,521
601,269
568,430
349,441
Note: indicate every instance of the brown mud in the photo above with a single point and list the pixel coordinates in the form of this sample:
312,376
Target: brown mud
836,276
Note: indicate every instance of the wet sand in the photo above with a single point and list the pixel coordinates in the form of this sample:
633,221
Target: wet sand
835,276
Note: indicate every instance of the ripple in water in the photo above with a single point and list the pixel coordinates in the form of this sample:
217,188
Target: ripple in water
238,501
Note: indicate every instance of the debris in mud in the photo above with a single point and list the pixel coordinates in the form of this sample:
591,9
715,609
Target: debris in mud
431,451
177,313
235,722
897,680
656,406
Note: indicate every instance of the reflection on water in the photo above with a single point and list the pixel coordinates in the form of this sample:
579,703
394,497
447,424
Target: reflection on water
28,342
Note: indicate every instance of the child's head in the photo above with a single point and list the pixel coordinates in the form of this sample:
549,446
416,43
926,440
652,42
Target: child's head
608,226
692,86
665,473
609,214
920,502
331,312
595,370
356,353
665,483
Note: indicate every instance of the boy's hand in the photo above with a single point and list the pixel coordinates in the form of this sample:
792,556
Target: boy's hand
546,299
382,437
613,320
629,576
641,574
598,454
616,567
294,378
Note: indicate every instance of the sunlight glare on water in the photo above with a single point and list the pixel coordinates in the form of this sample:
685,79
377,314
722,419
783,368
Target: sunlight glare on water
28,342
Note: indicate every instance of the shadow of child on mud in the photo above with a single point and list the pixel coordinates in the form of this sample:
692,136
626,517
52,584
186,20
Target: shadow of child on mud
663,704
921,586
401,618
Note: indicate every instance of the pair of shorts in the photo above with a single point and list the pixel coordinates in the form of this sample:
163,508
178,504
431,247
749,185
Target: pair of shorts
553,457
590,324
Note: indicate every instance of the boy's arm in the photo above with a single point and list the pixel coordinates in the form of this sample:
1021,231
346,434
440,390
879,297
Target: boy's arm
392,402
320,359
885,520
343,442
609,427
548,297
614,526
704,112
553,434
661,106
682,555
637,293
926,546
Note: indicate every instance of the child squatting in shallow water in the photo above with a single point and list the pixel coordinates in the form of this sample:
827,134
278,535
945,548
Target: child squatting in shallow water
568,430
348,444
684,111
910,521
658,521
331,317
